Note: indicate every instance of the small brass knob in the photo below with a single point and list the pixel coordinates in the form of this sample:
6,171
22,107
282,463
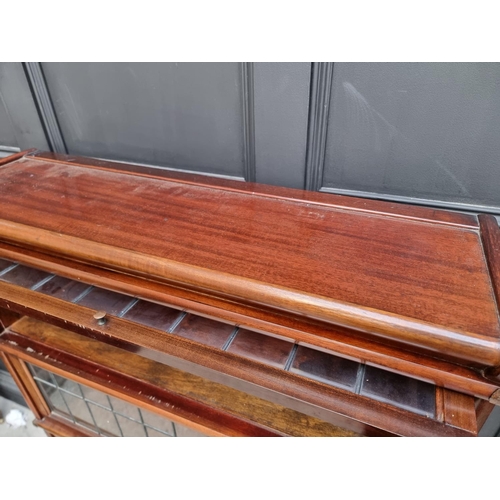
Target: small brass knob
100,316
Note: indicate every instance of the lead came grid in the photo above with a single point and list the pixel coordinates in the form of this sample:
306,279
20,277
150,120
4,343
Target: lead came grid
374,383
97,411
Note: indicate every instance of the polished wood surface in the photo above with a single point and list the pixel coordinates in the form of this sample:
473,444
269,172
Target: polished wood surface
460,411
414,277
277,192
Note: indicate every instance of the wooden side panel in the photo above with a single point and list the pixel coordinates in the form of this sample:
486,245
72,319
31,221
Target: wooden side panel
490,235
460,411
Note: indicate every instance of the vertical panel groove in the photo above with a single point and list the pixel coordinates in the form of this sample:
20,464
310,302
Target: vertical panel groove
248,121
43,101
5,148
319,110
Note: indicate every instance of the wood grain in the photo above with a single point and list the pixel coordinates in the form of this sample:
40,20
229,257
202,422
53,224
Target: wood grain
460,411
429,289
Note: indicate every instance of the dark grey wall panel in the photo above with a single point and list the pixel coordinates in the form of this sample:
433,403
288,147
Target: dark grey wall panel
492,425
7,136
20,125
420,130
181,115
281,108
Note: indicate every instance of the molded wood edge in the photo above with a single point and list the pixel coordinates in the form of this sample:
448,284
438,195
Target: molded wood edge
490,238
440,341
16,156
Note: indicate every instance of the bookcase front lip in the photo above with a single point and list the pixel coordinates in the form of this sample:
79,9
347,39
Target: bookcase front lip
441,341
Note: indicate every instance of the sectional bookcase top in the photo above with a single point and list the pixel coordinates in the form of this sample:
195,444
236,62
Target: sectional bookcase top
411,289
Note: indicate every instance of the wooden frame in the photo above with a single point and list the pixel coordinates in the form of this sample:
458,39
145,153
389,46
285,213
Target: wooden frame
129,377
180,397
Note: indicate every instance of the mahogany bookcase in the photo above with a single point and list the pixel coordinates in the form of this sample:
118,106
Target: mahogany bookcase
139,301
